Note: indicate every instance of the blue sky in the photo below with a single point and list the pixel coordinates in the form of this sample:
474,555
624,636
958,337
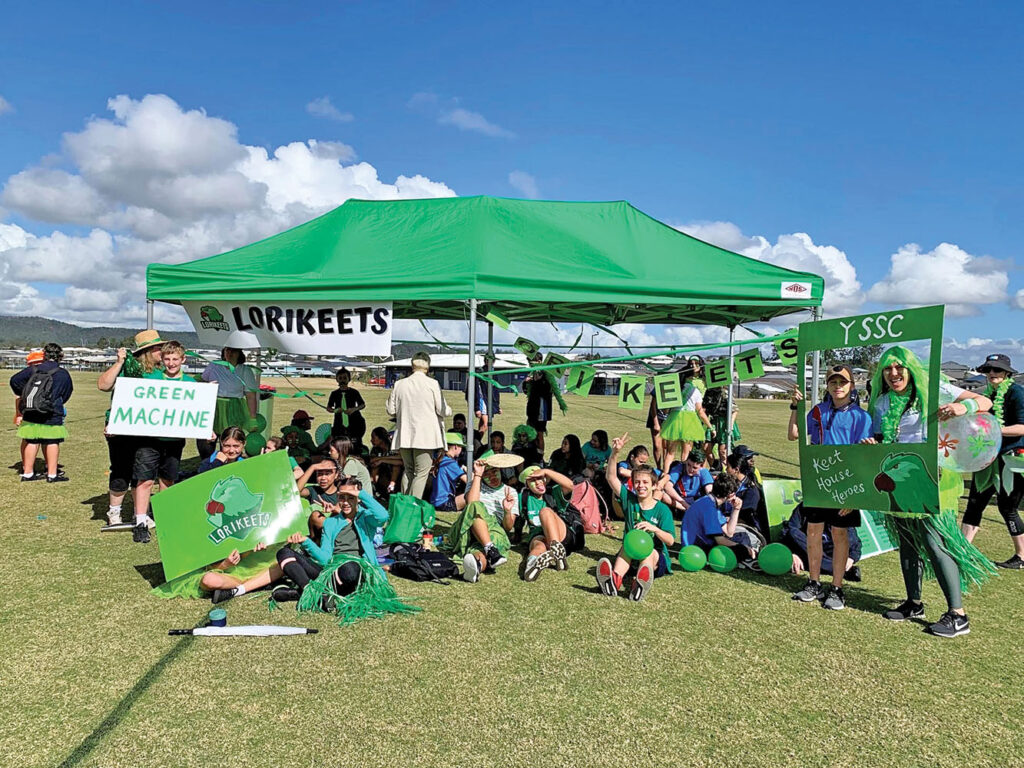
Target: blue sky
867,129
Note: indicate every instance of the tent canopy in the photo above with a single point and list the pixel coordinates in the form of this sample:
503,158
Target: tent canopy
531,260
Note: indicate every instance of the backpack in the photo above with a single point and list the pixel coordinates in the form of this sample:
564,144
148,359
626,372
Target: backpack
413,562
37,401
593,510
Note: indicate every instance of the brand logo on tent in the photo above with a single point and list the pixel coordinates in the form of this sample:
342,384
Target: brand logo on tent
234,511
211,319
795,290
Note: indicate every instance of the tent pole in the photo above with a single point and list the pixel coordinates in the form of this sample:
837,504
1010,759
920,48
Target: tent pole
490,384
471,388
728,418
815,363
149,313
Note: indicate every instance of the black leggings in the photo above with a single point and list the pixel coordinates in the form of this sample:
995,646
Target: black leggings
302,570
947,573
1008,501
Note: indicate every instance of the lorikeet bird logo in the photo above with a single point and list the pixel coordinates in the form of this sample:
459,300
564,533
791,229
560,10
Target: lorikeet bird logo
234,511
210,317
912,490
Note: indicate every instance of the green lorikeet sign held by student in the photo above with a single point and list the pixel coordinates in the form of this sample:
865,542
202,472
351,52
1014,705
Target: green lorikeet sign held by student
201,520
900,478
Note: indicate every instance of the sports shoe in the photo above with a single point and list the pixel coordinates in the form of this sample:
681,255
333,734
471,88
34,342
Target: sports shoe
606,577
853,574
1014,563
150,522
641,584
470,568
114,518
31,477
812,591
535,564
285,594
222,595
559,557
905,610
750,564
140,534
57,479
835,600
494,557
950,625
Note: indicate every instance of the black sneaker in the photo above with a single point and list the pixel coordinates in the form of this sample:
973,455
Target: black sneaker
853,574
285,594
31,477
950,625
57,479
536,564
494,557
835,600
222,595
812,591
905,610
140,534
1014,563
559,557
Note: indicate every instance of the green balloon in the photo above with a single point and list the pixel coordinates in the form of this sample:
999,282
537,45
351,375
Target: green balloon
323,434
775,559
254,443
721,559
637,544
256,424
692,558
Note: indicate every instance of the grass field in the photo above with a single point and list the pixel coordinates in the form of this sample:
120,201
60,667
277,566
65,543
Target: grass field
710,670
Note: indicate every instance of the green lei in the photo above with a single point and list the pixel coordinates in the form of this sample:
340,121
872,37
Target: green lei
892,417
1000,395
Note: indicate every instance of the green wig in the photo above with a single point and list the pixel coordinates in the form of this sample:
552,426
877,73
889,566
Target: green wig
918,378
525,429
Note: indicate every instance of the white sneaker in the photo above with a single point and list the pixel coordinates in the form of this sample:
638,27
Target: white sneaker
113,518
150,522
470,568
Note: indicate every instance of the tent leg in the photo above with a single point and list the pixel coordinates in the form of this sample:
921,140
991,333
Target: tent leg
471,388
815,364
490,384
728,419
149,313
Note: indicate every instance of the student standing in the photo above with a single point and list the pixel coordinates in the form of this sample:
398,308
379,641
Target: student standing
42,391
347,404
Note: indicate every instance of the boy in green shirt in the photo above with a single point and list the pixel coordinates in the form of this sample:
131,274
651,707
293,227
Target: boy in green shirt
555,529
643,512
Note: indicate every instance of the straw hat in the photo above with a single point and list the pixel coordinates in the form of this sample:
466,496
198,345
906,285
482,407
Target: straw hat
146,339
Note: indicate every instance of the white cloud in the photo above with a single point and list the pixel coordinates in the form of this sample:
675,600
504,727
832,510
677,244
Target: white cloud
323,107
1017,300
448,112
525,184
945,275
5,106
843,294
158,183
974,350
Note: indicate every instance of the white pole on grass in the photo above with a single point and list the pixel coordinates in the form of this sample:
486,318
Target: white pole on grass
490,384
728,420
471,387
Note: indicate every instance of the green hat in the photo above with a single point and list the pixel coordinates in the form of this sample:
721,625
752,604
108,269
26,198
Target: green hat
289,429
454,438
528,472
485,455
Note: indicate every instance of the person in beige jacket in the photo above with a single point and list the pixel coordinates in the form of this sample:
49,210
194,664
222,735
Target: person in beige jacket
419,410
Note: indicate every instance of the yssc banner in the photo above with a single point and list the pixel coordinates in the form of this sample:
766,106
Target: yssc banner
199,521
162,408
297,327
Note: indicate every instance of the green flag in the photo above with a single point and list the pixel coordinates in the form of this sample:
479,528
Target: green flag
668,392
527,347
749,366
716,374
787,348
201,520
553,358
631,392
580,380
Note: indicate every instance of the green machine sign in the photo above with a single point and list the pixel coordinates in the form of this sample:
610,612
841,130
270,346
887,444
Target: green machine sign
200,520
875,477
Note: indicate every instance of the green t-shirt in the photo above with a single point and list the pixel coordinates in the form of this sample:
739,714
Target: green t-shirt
660,515
534,504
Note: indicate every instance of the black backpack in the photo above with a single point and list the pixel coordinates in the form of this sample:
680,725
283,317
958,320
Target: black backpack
413,562
37,404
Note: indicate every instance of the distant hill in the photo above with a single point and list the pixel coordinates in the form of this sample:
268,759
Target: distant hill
35,331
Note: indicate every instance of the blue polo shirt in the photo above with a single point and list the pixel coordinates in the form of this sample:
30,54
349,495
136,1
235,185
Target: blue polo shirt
448,473
689,486
702,521
843,426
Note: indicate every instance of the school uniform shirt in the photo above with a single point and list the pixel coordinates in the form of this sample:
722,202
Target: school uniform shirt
848,425
690,487
913,428
659,515
702,521
448,473
319,496
232,381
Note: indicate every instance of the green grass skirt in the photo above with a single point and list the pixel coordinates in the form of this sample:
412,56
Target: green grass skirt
374,597
975,569
460,539
30,431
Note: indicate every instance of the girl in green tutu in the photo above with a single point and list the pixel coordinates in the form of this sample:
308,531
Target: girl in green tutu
688,423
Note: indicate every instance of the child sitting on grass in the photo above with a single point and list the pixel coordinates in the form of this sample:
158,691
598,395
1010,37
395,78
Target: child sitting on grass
556,529
449,475
478,535
643,513
714,520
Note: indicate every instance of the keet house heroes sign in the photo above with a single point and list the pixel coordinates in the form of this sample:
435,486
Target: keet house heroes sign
352,328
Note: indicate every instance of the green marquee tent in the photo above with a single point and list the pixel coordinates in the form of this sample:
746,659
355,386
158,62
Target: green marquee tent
532,260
